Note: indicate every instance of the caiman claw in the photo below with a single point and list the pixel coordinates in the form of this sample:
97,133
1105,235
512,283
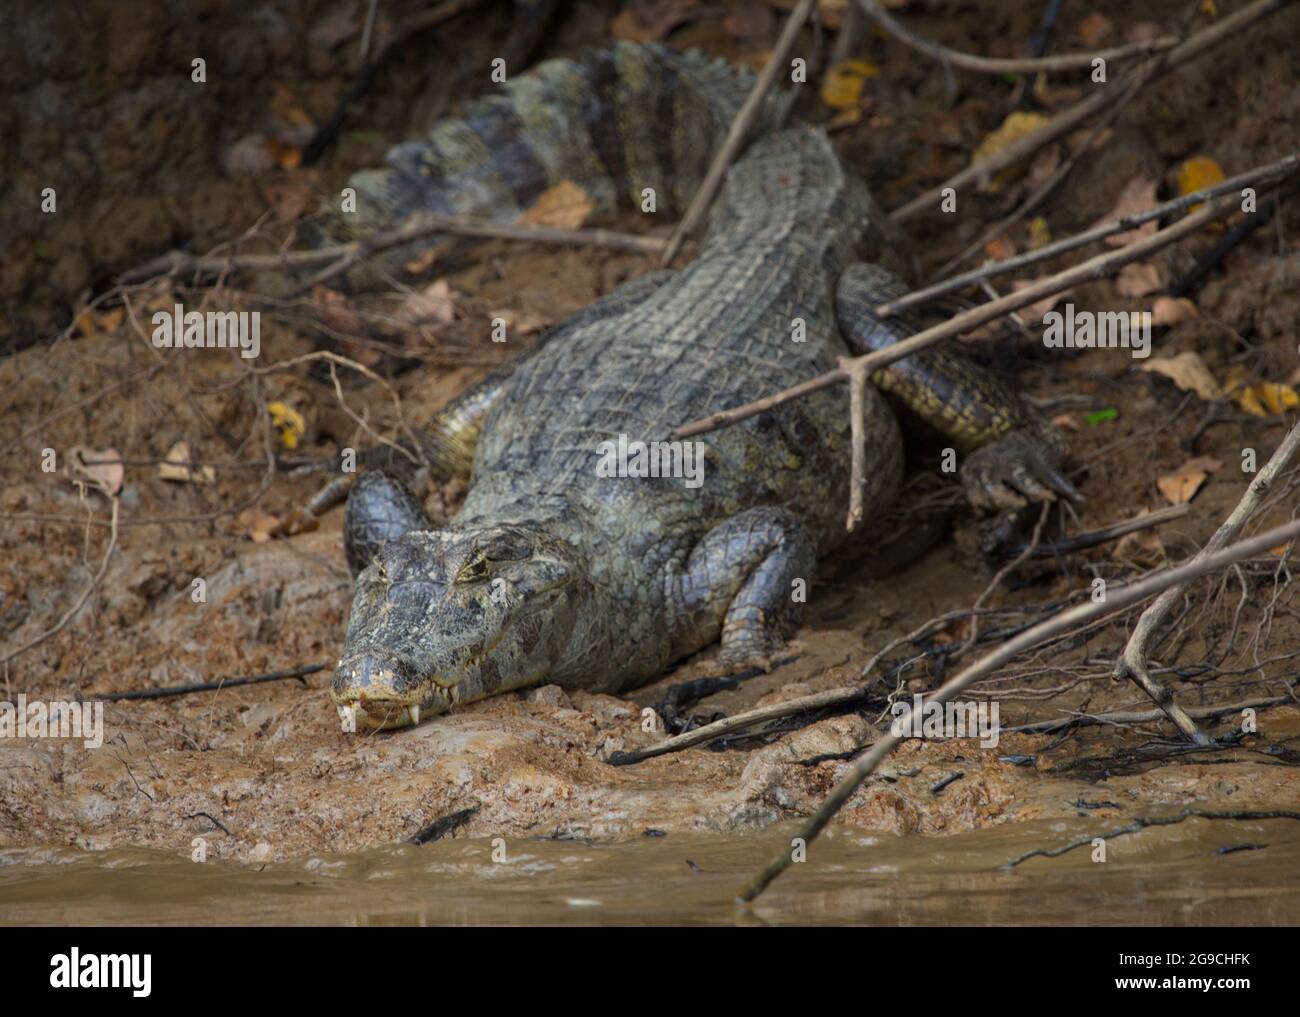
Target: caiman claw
1023,466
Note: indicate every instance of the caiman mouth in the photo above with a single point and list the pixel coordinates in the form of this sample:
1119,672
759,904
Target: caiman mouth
372,696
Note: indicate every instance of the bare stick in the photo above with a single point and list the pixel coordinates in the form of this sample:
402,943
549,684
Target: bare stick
1142,716
85,594
1132,662
817,701
214,686
731,145
1091,538
857,410
995,65
1101,99
1141,823
1280,169
1094,268
1117,600
340,257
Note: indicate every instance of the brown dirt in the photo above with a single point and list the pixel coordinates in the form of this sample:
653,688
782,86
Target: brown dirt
269,761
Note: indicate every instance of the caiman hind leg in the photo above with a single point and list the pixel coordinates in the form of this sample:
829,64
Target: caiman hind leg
1012,452
743,580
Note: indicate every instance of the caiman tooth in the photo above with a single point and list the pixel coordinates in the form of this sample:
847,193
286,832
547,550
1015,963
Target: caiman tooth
414,713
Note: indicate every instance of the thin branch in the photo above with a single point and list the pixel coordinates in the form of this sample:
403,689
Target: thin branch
216,686
340,257
1096,267
1132,663
1280,170
736,136
1117,599
85,594
1142,716
1141,823
1101,99
1013,65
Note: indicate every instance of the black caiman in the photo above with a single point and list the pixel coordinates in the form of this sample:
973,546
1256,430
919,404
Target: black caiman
560,570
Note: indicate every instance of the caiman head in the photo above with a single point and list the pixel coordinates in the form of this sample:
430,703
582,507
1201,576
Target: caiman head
450,616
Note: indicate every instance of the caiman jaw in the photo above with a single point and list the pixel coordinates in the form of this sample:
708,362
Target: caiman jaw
376,705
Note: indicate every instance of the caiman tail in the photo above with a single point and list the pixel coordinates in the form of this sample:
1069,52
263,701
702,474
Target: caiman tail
616,122
613,121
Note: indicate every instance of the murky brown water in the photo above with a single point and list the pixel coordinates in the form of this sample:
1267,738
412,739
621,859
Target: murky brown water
1167,876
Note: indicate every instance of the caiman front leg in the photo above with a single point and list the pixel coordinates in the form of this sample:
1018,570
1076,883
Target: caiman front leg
1012,453
740,580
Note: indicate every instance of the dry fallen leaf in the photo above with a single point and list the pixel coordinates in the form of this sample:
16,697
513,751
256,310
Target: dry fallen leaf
1262,399
1188,372
1035,312
1138,280
1139,194
1067,422
91,322
565,205
519,323
1094,28
177,466
98,468
1016,126
749,21
290,199
1000,249
651,20
1143,547
260,526
842,88
432,305
1172,310
1180,486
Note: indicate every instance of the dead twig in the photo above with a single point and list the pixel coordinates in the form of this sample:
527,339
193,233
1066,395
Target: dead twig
1094,268
1143,716
1100,100
1142,822
216,686
340,257
1066,621
1011,65
85,594
1132,663
1276,171
736,136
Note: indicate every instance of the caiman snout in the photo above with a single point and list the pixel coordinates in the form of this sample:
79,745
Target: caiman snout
377,692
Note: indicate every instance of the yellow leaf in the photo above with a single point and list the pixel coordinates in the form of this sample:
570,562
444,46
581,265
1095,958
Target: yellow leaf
1014,127
94,322
1198,173
1263,399
1208,7
288,422
842,88
1040,234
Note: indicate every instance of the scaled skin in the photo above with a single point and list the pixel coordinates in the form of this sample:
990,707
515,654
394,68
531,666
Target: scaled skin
553,573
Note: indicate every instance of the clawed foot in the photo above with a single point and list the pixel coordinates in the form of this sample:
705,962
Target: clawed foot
1014,470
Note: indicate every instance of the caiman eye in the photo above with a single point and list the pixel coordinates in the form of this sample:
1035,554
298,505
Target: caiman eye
474,569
